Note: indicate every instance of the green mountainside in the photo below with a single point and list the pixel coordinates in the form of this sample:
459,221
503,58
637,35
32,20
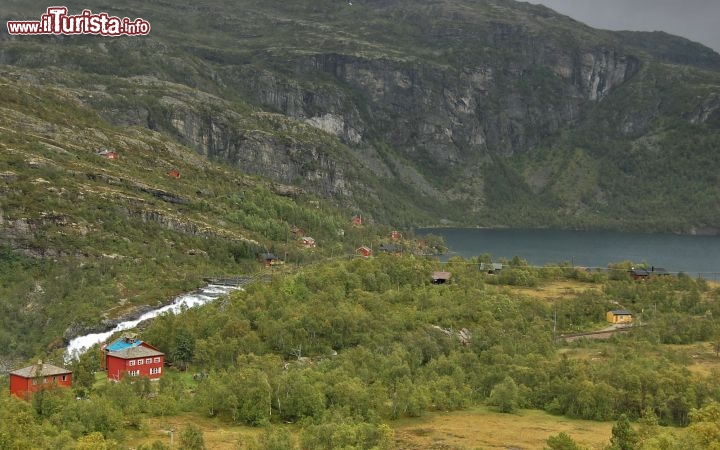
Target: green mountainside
493,113
85,238
282,114
235,124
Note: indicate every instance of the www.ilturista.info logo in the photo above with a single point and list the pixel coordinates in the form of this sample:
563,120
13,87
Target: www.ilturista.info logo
56,21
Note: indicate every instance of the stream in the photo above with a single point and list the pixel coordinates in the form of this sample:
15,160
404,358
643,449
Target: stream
80,344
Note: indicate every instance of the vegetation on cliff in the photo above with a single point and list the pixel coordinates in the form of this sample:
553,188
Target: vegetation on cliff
84,237
494,113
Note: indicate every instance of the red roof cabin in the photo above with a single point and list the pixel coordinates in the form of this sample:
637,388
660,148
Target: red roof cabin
174,173
364,251
27,380
133,357
395,235
357,220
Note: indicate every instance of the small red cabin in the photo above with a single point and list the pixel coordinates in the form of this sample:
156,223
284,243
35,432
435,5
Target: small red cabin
27,380
110,155
364,251
357,220
174,173
395,235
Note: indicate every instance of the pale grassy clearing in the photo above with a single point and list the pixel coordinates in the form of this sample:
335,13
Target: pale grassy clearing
700,358
482,428
217,434
478,428
703,358
554,290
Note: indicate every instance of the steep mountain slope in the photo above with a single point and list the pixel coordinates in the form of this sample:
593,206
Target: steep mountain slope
490,112
85,238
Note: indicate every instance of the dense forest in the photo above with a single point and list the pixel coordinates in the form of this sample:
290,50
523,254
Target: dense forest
344,347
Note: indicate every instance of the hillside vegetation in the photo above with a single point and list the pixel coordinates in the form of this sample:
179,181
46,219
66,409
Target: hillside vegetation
493,112
343,349
84,238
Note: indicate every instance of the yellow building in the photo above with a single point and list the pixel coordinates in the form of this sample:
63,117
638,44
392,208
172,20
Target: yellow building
619,316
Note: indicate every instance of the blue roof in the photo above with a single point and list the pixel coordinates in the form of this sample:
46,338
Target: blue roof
123,343
622,312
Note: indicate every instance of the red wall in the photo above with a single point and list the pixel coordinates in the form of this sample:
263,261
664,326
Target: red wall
20,386
118,367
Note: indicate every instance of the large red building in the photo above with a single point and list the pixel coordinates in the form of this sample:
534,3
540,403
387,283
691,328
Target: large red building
138,361
38,376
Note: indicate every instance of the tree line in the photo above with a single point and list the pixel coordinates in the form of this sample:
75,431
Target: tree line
343,348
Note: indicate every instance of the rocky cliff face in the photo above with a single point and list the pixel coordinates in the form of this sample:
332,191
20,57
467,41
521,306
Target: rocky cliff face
256,142
432,105
447,113
276,150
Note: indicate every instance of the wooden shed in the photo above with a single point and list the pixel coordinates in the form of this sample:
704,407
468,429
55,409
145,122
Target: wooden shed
620,316
268,259
639,274
491,268
391,249
441,277
307,242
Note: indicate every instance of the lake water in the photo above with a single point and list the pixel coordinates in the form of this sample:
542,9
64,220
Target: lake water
694,255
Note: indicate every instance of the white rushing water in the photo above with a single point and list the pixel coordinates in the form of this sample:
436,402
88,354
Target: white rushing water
80,344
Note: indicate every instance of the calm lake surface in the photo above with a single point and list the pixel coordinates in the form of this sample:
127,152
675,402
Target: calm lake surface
694,255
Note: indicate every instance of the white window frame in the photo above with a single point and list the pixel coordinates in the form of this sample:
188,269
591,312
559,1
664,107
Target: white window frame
140,362
155,370
131,362
148,360
157,359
